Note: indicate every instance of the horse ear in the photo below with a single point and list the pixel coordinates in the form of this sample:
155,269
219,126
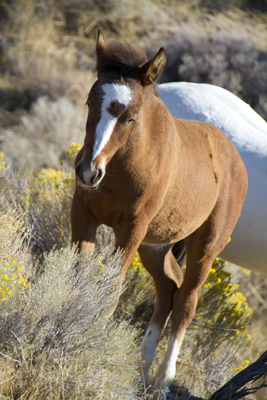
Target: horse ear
151,70
100,43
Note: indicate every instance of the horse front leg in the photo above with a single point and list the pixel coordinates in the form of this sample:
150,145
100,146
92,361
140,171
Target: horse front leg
163,267
83,229
128,236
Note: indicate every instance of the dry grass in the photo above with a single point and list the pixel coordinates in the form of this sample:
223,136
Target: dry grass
43,134
55,339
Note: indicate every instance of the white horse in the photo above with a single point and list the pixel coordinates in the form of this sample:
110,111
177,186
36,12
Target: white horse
248,131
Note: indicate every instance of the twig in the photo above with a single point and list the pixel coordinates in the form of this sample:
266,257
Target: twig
214,327
6,380
21,349
231,390
13,359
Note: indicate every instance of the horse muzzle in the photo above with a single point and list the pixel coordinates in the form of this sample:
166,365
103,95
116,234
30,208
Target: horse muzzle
89,177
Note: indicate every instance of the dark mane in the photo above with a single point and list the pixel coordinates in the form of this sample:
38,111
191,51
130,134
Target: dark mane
119,57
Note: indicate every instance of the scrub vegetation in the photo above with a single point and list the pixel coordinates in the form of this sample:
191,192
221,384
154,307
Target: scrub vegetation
55,339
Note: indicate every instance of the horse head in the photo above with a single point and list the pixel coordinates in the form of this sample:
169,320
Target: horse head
114,103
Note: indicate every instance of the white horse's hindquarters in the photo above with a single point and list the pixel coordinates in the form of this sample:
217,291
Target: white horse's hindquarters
205,102
248,247
248,132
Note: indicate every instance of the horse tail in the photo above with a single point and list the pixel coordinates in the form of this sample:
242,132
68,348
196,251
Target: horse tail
179,252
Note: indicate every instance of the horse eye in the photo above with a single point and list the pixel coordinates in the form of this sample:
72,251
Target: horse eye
88,104
134,116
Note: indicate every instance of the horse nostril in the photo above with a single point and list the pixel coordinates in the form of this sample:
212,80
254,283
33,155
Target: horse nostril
95,176
98,175
87,176
78,170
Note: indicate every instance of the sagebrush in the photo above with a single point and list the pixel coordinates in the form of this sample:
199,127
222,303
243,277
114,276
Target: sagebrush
54,316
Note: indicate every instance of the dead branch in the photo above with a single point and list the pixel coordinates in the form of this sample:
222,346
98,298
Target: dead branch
235,389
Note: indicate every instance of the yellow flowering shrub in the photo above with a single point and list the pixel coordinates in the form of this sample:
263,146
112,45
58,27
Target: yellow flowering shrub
46,199
2,163
99,263
142,277
221,307
51,184
73,150
241,367
12,279
48,184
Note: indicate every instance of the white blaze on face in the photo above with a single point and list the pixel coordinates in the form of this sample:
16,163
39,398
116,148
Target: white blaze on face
113,92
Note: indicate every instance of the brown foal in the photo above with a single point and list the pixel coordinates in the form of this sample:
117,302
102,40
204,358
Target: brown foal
159,182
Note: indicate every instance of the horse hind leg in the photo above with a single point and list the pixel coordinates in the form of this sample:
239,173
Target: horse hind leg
167,275
202,246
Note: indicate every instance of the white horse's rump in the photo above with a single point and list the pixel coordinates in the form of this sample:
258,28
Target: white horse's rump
248,131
